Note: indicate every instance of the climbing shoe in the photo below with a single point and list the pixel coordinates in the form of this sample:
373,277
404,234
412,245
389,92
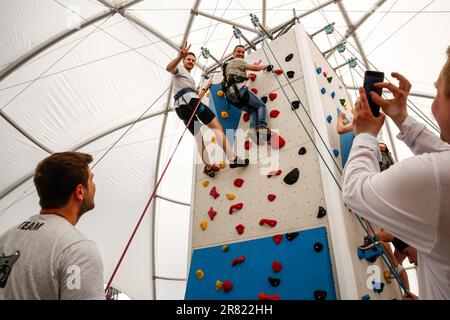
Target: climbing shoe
263,134
368,244
239,163
209,171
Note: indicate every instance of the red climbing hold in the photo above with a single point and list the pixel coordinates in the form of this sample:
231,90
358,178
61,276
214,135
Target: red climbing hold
272,96
273,173
325,74
227,286
213,193
252,76
263,296
238,182
246,116
278,71
240,228
276,266
277,142
254,90
237,260
247,145
215,167
277,238
271,197
234,207
211,213
274,113
269,222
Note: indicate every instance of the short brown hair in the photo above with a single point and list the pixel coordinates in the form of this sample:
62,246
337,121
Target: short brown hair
446,74
238,46
190,54
57,176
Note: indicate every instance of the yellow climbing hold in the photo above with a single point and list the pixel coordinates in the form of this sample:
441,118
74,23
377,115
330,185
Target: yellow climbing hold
388,276
230,196
203,225
345,121
200,274
222,165
205,183
220,93
224,248
219,285
213,139
224,114
352,110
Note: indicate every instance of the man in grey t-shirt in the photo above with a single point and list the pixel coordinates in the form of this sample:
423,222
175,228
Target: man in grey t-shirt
46,257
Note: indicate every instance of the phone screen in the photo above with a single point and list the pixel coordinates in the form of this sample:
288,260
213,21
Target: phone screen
370,78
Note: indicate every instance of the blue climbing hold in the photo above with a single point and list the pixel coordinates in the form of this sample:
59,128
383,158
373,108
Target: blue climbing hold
365,297
336,152
319,70
323,90
333,94
329,119
377,286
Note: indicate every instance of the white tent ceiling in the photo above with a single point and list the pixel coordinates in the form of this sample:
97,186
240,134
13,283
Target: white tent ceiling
84,91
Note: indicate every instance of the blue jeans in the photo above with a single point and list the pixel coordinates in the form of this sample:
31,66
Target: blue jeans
256,109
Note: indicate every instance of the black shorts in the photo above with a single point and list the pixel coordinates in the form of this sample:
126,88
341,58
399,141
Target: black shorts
203,113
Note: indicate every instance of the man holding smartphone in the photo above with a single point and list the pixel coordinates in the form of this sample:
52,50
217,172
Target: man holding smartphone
411,199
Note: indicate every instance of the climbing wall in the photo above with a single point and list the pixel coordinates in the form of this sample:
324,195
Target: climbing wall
263,231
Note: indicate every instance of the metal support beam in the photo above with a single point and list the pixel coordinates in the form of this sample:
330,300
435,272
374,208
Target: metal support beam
231,23
319,31
169,278
191,20
264,13
173,201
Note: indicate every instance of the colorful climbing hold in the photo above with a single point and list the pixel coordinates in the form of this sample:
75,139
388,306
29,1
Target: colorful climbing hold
246,116
322,212
336,152
377,286
269,68
292,176
276,266
235,207
240,229
224,114
219,285
271,197
295,104
388,276
274,173
289,57
211,213
213,193
263,296
222,165
264,99
329,79
342,101
325,74
333,94
238,182
274,113
320,295
247,145
200,274
318,247
230,196
205,183
252,76
203,225
224,248
271,223
213,139
273,96
277,142
365,297
323,90
254,90
302,151
292,235
329,119
278,71
220,93
290,74
277,238
227,286
274,282
237,260
345,121
319,70
215,167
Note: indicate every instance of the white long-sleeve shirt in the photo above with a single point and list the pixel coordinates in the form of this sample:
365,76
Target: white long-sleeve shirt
411,199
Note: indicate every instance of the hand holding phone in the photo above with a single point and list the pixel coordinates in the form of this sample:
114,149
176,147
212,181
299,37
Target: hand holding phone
370,78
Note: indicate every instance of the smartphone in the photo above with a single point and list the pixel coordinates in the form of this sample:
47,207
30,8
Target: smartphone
370,78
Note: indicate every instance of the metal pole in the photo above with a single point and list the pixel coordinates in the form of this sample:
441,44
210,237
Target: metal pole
232,23
319,31
191,21
264,13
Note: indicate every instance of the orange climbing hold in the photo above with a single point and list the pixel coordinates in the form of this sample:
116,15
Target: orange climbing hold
227,286
272,96
269,222
274,113
213,139
205,183
203,225
235,207
224,114
213,193
224,248
277,238
247,145
274,173
238,182
263,296
277,142
278,71
200,274
252,76
211,213
237,260
246,117
254,90
276,266
271,197
222,165
219,285
230,196
240,229
220,93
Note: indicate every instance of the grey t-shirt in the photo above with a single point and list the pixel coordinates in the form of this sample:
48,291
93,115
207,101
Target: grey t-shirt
183,79
47,258
237,67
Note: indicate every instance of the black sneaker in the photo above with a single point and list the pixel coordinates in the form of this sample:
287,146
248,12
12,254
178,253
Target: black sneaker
263,135
236,163
368,244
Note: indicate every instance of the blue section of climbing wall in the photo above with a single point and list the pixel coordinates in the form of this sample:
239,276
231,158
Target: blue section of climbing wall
219,104
304,270
346,140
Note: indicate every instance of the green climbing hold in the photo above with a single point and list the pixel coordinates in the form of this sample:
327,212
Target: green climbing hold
329,79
